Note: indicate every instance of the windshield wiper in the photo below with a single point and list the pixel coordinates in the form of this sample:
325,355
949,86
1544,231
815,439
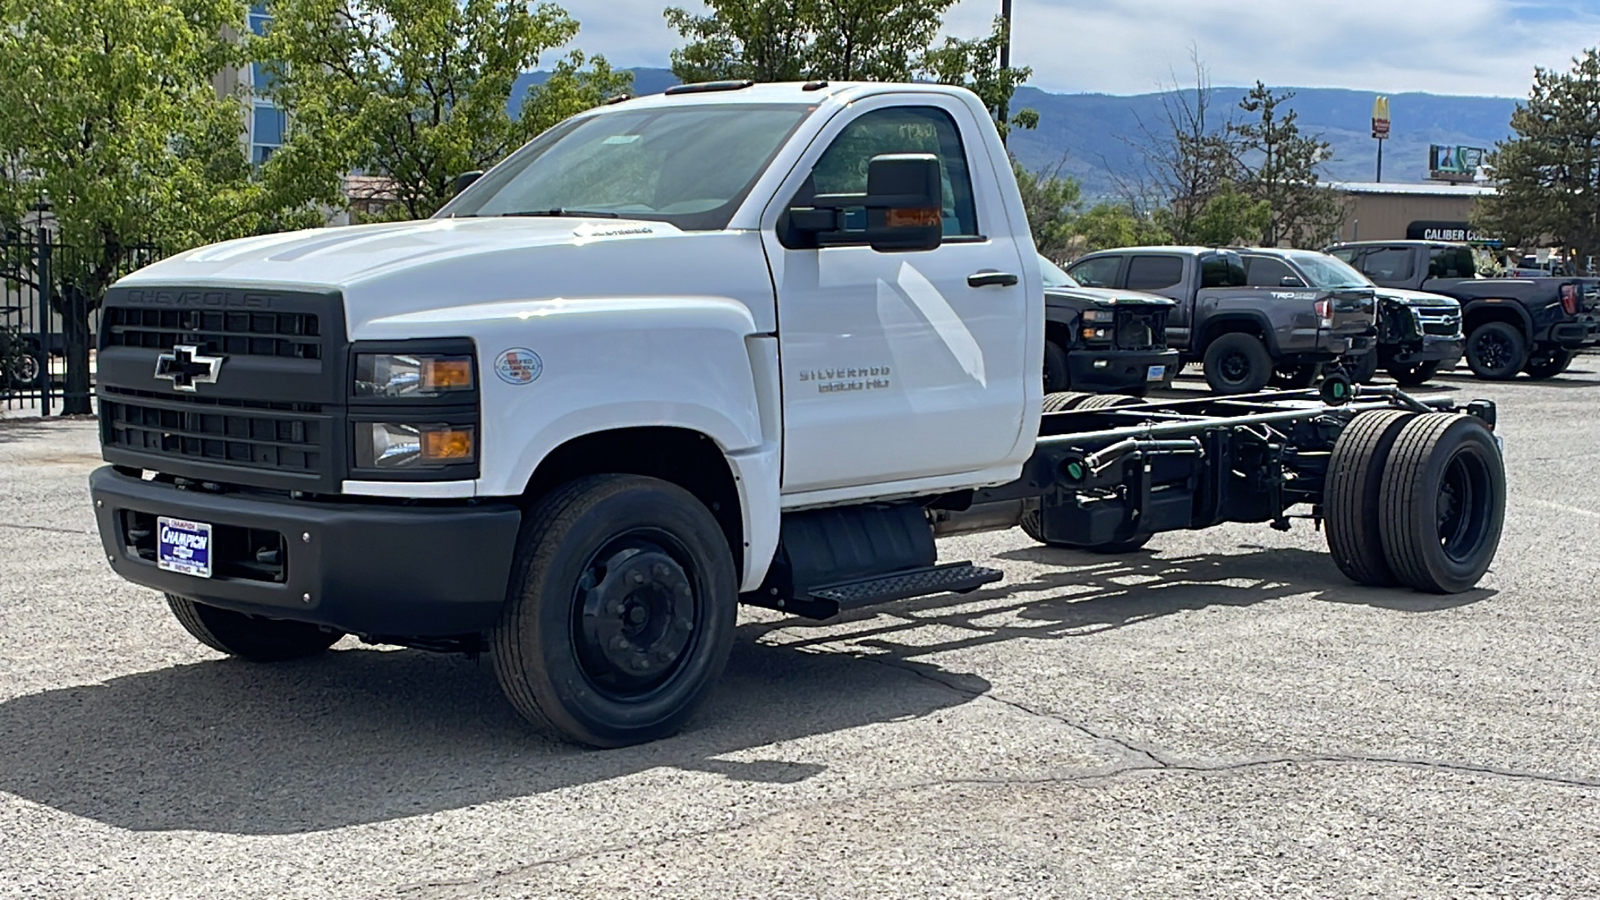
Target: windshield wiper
564,213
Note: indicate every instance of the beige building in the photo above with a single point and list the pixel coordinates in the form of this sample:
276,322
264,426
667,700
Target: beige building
1390,211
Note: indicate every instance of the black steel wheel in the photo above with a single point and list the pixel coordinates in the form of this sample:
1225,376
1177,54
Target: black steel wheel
1295,377
25,368
1350,497
1413,374
1496,351
1056,377
1443,501
620,613
1548,362
250,637
1237,363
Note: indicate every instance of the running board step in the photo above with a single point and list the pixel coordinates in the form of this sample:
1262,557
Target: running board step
952,577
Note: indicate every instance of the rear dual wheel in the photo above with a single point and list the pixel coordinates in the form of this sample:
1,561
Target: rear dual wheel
1415,500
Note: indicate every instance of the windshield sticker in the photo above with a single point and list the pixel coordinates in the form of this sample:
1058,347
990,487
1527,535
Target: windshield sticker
518,365
621,139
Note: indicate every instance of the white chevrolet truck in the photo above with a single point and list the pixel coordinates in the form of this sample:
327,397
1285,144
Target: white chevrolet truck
731,343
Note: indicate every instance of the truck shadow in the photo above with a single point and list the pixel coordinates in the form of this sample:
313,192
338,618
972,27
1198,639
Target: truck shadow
367,735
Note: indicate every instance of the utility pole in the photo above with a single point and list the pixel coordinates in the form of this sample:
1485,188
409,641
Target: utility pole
1005,63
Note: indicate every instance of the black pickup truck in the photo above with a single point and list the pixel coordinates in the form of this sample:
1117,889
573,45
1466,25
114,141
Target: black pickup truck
1245,330
1418,332
1512,325
1103,341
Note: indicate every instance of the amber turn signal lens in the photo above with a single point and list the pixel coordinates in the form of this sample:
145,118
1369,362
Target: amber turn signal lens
447,444
446,372
914,218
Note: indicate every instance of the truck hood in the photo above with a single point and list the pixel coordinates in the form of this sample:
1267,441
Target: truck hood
344,256
1416,298
1108,297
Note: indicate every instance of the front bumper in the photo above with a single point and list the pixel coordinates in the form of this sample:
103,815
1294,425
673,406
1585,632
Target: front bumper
371,569
1446,351
1119,370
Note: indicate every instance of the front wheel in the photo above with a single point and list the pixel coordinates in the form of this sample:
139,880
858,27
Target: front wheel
620,613
1237,363
1413,374
250,637
1548,363
1496,351
1056,378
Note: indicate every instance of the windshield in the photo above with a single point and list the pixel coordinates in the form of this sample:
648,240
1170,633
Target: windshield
688,165
1328,273
1053,276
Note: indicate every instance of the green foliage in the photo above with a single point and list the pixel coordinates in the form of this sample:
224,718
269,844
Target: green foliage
110,115
1279,169
1107,225
842,40
1548,174
415,91
1229,216
1052,202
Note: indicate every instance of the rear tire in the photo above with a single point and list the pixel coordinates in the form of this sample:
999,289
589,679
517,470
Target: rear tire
1414,374
620,613
250,637
1107,401
1443,502
1549,363
1065,401
1365,368
1295,378
1237,363
1496,351
1056,377
1350,501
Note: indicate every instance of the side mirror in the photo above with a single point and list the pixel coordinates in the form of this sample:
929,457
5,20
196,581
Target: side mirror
465,180
902,208
1291,281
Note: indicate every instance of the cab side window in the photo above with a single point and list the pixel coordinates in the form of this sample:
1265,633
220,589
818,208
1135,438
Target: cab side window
1099,272
1153,273
1387,264
1453,262
842,168
1218,270
1264,271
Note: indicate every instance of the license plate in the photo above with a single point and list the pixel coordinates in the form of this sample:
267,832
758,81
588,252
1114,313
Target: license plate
183,546
1156,373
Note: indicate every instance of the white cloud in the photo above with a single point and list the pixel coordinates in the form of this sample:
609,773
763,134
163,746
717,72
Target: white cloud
1134,46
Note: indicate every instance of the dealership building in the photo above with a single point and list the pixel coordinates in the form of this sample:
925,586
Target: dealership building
1390,211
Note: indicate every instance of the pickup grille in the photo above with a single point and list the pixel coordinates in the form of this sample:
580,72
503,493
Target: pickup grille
1441,321
285,335
284,437
1141,328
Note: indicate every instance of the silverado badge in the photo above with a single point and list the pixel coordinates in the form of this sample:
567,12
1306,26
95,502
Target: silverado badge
186,367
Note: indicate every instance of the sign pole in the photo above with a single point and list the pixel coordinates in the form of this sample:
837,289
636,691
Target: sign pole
1380,160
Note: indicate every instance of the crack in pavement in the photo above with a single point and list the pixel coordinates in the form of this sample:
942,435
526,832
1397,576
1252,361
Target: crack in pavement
50,528
1092,777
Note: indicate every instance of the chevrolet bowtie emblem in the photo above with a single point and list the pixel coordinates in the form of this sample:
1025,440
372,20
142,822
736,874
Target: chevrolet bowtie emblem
186,367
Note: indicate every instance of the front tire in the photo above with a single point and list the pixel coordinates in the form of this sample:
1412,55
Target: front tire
250,637
1549,363
1056,377
1496,351
1237,363
620,613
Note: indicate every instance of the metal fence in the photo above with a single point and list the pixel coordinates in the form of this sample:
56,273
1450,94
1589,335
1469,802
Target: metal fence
41,298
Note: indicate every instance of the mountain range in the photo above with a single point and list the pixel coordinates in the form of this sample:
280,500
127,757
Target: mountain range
1096,137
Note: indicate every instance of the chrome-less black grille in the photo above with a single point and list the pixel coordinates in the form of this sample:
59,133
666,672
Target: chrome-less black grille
1140,329
289,335
255,435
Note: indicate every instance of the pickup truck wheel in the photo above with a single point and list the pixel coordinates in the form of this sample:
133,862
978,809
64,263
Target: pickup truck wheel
1065,401
1237,363
250,637
1548,363
1443,502
1295,377
1055,368
620,613
1365,368
1351,497
1496,351
1414,374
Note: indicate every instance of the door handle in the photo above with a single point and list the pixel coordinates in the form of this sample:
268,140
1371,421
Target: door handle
991,278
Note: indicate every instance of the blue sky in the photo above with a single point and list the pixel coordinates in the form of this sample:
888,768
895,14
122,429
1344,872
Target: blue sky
1135,46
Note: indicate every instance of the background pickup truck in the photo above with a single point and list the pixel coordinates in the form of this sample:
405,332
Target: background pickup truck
1108,342
1512,325
1418,332
1244,331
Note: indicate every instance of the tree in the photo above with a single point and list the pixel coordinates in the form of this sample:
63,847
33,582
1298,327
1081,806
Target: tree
842,40
1279,168
416,91
1548,173
1107,225
1051,202
111,118
1229,216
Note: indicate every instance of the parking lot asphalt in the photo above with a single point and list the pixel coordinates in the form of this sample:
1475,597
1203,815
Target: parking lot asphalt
1220,716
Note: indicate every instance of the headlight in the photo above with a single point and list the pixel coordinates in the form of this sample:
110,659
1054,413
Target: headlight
392,445
1099,315
1097,334
411,374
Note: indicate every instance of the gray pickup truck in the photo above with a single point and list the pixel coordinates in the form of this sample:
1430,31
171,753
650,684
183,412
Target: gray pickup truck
1244,331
